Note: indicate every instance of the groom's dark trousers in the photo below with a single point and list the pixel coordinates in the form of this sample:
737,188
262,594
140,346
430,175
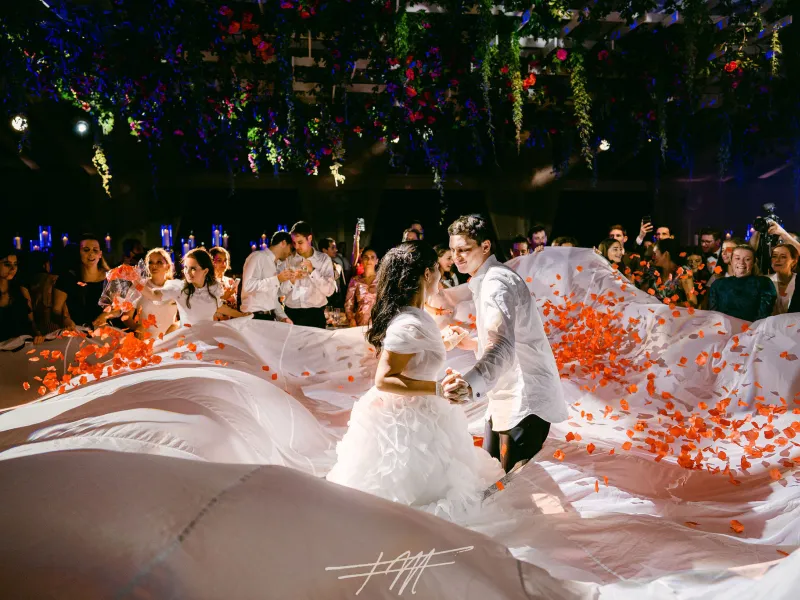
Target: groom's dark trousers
521,442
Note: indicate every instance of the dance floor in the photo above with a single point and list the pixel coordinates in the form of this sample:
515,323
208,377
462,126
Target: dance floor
197,470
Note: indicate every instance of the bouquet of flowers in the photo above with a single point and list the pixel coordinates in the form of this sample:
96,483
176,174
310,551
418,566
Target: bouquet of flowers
122,288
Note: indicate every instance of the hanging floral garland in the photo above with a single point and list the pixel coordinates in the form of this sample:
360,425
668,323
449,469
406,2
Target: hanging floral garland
101,164
516,88
582,103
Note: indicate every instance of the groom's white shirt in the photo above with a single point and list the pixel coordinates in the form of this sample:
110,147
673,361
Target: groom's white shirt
516,369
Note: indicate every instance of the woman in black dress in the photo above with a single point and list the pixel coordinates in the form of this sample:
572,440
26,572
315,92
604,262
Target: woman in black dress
16,316
77,293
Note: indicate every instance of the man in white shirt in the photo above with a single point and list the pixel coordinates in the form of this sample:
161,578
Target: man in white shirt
328,246
311,281
261,280
516,370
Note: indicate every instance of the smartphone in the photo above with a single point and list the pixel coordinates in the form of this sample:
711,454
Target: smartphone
646,219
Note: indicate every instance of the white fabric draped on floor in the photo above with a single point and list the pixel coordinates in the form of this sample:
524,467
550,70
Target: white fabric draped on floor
661,388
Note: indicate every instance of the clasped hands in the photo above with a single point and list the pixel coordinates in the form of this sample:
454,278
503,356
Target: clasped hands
455,388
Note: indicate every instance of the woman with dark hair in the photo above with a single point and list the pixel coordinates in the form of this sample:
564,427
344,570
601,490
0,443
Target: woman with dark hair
362,290
613,251
41,285
445,261
405,442
746,295
198,294
16,315
667,279
230,286
76,301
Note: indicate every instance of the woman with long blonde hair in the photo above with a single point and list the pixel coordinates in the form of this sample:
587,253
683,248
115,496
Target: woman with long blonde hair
152,318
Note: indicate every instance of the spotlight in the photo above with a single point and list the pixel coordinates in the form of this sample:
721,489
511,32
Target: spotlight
19,123
81,127
604,145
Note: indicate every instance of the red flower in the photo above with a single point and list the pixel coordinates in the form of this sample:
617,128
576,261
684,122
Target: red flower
304,14
602,55
339,119
504,69
410,91
731,66
561,54
234,27
287,5
225,11
530,81
410,74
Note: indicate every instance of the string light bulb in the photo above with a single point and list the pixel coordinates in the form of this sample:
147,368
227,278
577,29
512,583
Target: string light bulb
81,127
604,145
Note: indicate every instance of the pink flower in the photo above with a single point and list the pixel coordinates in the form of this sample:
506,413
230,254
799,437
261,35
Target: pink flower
287,5
561,54
225,11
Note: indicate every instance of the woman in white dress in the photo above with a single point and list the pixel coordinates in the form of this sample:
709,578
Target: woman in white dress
198,295
405,442
784,262
156,317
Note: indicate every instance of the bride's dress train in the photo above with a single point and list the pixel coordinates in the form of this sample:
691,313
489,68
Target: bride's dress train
415,450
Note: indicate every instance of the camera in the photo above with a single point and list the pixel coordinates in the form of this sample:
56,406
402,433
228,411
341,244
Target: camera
761,224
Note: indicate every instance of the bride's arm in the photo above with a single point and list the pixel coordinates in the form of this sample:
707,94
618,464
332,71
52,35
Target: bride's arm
389,377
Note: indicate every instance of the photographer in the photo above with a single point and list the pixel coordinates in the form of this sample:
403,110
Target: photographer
767,233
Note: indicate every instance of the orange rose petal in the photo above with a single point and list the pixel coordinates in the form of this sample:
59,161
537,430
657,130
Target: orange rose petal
736,526
558,455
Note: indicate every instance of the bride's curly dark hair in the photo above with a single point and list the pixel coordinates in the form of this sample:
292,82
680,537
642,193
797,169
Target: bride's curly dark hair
399,277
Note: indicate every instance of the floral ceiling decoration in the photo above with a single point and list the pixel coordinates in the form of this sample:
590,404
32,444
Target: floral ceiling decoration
279,85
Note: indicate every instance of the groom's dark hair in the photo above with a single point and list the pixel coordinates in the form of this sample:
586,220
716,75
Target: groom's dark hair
474,227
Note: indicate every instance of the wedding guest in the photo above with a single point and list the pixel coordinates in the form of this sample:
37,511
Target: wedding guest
746,295
410,235
666,279
328,246
519,246
77,294
613,251
132,252
417,226
724,267
16,315
230,286
784,263
696,263
152,318
41,285
537,236
445,261
198,295
711,244
261,280
565,241
361,291
311,281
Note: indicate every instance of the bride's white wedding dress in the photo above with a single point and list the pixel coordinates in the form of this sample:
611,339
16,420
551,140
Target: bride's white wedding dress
415,450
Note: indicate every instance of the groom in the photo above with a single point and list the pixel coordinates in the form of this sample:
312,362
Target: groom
516,370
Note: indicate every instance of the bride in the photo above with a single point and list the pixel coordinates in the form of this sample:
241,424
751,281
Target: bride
405,442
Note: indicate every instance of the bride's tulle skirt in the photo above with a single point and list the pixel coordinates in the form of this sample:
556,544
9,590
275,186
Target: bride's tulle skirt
415,451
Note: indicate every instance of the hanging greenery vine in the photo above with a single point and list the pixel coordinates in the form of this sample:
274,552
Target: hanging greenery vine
582,105
484,54
101,164
516,88
775,49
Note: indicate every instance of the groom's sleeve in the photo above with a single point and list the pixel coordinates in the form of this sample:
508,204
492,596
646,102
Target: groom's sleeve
498,317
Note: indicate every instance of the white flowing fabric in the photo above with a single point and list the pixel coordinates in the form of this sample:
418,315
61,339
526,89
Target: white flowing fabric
415,450
654,530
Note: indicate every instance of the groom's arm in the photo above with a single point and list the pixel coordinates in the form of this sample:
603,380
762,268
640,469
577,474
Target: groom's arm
498,318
